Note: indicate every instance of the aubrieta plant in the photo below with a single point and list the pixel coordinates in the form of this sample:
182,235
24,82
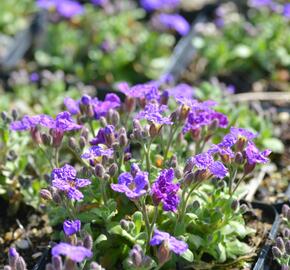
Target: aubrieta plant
281,247
140,184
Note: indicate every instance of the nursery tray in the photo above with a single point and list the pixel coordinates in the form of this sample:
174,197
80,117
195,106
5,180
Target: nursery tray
271,215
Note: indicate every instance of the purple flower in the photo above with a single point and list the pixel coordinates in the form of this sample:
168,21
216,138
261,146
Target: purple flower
29,122
134,186
182,90
95,154
165,191
72,105
286,10
150,5
153,113
71,227
75,253
254,156
13,252
173,22
174,245
65,179
101,108
66,8
147,91
62,123
100,2
34,77
260,3
205,161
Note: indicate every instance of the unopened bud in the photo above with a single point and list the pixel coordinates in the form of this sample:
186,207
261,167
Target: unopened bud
178,173
115,118
106,177
46,139
127,156
285,209
35,135
123,140
57,262
113,169
195,134
195,205
145,132
287,247
56,197
248,168
88,242
239,159
184,111
82,142
164,98
72,143
69,264
116,146
202,175
46,194
188,165
286,233
136,258
189,178
4,116
280,244
49,266
154,130
276,252
14,114
129,104
99,170
85,133
124,224
20,264
103,121
241,143
174,116
163,254
173,161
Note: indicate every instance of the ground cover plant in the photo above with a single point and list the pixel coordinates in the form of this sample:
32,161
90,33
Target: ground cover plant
128,192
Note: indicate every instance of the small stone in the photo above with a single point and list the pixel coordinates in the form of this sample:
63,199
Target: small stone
22,244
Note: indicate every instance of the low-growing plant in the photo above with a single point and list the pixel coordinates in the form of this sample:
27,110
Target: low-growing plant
140,184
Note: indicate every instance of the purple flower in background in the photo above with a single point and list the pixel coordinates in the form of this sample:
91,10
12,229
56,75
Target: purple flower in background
286,11
65,179
29,122
165,191
260,3
99,2
148,91
173,22
153,113
231,89
205,161
34,77
75,253
133,185
71,227
66,8
174,245
254,156
95,154
13,253
72,105
182,90
101,108
151,5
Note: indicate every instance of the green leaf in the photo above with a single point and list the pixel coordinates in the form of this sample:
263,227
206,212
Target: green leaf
101,238
137,218
187,255
274,144
119,231
195,240
236,248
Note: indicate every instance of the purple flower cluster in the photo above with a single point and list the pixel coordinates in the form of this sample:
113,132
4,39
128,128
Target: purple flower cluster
71,227
92,105
172,22
164,190
151,5
66,8
95,154
181,92
75,253
133,184
170,242
65,179
153,113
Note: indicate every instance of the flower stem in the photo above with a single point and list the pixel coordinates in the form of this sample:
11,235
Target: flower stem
92,128
172,132
154,220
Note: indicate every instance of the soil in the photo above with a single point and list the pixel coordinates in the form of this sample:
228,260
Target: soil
27,230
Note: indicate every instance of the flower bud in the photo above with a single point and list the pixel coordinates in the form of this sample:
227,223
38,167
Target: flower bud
145,132
103,121
163,254
49,266
46,139
131,226
7,267
188,165
154,130
276,252
288,215
287,247
280,244
201,175
136,258
129,104
72,143
173,161
85,133
113,169
184,111
14,114
13,255
164,97
96,266
56,197
99,170
235,205
57,136
127,156
20,264
57,262
286,233
4,116
239,159
116,146
178,173
124,224
88,242
106,177
285,209
248,168
214,125
35,135
189,178
195,205
123,140
241,143
195,134
82,142
115,118
45,194
69,265
174,116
